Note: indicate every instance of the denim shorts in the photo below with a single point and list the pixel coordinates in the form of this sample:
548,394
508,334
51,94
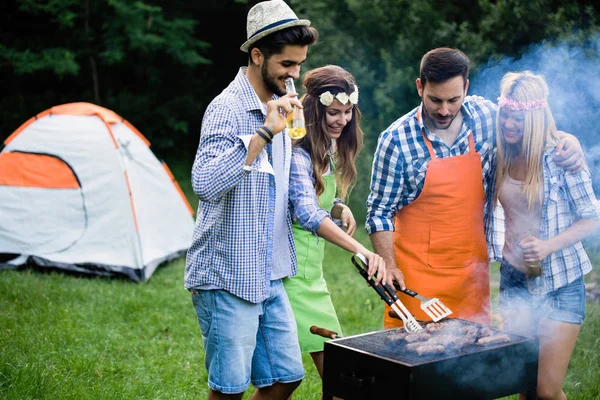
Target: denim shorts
565,304
246,342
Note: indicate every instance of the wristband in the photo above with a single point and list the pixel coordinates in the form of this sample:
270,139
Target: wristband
261,129
268,131
262,135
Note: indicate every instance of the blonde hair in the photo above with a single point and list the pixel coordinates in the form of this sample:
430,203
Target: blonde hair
539,132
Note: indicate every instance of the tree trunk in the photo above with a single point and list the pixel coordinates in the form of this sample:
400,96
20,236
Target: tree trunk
94,69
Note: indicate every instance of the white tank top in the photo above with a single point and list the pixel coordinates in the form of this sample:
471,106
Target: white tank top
518,219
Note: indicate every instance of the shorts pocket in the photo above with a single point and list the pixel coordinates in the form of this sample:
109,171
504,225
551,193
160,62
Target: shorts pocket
201,304
451,247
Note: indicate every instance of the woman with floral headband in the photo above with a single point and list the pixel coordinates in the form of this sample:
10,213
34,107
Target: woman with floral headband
548,211
322,173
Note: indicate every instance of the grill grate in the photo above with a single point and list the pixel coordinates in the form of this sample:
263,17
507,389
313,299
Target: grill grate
383,344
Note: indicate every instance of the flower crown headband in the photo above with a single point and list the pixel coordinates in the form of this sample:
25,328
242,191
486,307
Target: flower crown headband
515,105
326,98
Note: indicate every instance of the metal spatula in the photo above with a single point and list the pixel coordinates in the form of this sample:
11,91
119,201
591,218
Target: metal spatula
433,307
410,323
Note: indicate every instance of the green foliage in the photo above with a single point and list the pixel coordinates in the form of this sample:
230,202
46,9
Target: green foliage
381,42
159,63
131,57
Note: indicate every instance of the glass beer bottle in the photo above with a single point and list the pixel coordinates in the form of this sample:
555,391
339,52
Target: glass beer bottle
295,119
535,279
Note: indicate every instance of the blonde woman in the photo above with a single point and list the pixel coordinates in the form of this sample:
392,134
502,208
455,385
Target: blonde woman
322,174
548,212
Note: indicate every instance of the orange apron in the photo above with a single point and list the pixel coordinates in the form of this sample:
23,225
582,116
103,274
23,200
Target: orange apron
439,240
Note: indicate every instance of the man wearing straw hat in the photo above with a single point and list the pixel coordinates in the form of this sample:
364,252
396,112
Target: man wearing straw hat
242,244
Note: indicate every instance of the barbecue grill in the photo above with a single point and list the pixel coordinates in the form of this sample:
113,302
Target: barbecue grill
374,365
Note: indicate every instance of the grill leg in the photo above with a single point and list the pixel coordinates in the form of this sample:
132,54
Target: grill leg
531,394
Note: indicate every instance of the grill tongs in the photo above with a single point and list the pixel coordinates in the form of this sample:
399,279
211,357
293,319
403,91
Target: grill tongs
410,323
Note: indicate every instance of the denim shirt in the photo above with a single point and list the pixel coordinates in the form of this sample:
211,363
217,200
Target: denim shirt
232,244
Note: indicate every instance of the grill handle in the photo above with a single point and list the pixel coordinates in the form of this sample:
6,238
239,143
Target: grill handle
315,330
357,381
380,290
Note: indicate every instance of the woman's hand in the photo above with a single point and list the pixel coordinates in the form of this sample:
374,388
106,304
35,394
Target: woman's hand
534,249
348,221
344,214
376,265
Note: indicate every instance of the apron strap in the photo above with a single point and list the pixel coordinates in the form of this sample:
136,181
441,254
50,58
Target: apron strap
430,146
427,141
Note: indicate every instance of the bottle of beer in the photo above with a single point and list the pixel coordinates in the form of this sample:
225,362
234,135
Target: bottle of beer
535,278
295,120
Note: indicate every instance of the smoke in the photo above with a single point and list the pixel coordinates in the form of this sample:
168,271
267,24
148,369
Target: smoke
572,72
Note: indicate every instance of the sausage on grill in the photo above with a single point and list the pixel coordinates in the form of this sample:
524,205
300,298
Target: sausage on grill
430,349
502,338
417,337
395,336
433,327
414,346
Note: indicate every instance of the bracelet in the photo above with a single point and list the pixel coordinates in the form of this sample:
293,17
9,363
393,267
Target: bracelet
261,129
262,135
268,131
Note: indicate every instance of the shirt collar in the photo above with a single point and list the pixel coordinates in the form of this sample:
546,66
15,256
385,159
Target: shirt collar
465,108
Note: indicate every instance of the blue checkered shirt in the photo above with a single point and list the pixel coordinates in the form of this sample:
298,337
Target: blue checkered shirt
401,160
568,197
232,246
304,204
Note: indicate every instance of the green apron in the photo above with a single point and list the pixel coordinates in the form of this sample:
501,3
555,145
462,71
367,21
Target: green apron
307,290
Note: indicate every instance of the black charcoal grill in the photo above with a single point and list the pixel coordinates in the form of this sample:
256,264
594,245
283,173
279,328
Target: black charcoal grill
375,366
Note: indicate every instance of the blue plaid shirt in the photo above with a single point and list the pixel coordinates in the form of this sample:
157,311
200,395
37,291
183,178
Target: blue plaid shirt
568,197
232,245
401,160
304,204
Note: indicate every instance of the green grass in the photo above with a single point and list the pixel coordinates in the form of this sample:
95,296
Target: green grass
68,337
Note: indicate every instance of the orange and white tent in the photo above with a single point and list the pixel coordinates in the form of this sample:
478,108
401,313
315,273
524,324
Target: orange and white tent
81,190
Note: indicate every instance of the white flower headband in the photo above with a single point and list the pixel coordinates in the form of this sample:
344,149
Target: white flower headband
326,98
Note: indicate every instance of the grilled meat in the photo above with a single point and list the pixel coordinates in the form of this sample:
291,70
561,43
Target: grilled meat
502,338
417,337
430,349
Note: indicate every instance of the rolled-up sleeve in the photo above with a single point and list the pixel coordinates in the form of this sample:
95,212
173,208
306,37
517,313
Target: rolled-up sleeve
304,205
221,154
581,195
387,180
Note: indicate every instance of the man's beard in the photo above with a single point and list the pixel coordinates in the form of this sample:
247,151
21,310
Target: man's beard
271,83
429,117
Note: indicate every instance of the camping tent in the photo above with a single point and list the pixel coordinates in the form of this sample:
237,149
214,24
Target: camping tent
81,190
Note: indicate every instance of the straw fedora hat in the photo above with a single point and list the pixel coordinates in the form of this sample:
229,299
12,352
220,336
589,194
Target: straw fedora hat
267,17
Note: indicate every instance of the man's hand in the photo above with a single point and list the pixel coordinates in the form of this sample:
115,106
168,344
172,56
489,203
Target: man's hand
568,153
277,110
394,274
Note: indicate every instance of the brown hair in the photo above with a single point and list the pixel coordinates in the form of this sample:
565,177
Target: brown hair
275,42
442,64
317,143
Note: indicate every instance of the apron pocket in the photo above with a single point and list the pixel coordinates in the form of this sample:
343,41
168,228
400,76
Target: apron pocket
309,254
314,261
451,246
